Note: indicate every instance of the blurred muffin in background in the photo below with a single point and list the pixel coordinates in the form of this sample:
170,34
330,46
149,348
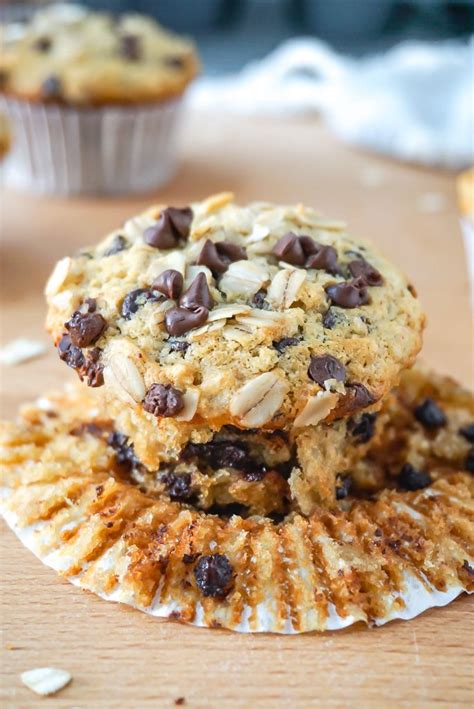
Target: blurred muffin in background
465,190
94,98
5,136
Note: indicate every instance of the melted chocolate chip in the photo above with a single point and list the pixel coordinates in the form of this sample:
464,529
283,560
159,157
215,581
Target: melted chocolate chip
467,432
285,342
325,259
119,243
69,353
360,268
329,319
51,88
469,461
163,400
326,367
359,396
173,224
217,256
178,345
136,299
93,370
170,283
363,429
258,301
43,44
351,294
124,451
429,414
410,478
213,574
85,325
343,486
226,454
130,47
197,295
290,249
178,321
178,486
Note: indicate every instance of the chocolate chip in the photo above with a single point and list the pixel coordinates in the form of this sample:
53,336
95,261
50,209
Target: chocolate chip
124,451
93,370
178,345
326,367
359,396
429,414
360,268
69,353
190,558
197,295
173,224
467,567
258,301
119,243
170,283
51,88
178,487
343,486
226,454
285,342
329,319
213,574
130,47
85,327
411,289
175,62
325,259
363,429
163,400
290,250
469,461
42,44
136,299
218,255
410,478
351,294
467,432
178,321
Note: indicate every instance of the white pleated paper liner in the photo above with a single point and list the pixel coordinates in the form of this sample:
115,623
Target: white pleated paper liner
107,150
467,227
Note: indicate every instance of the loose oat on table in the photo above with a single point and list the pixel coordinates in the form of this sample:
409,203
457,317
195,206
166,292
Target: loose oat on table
396,543
261,316
67,54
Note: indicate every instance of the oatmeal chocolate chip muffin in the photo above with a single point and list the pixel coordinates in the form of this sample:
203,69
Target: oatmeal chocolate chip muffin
263,316
69,55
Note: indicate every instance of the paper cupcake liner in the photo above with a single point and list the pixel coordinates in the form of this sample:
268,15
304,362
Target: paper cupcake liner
467,228
372,561
110,150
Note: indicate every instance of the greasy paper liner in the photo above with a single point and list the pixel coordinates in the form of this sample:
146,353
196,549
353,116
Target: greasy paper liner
382,559
109,150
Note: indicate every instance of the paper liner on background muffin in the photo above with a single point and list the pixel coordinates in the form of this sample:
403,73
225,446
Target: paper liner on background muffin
465,188
370,560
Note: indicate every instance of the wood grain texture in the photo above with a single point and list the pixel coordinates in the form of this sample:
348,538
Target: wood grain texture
120,658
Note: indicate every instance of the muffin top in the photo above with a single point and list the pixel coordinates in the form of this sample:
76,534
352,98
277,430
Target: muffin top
260,316
70,55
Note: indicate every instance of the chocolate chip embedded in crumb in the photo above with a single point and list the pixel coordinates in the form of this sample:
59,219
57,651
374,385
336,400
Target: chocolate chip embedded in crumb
136,299
469,461
359,395
178,345
178,321
130,47
173,224
119,243
93,369
410,478
363,429
325,259
163,400
197,295
351,294
329,319
218,255
213,574
51,88
124,451
290,250
258,301
343,486
326,367
429,414
42,44
467,432
281,345
69,353
360,268
178,486
170,283
85,328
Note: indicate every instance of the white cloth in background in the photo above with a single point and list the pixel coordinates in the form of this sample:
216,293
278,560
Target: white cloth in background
414,102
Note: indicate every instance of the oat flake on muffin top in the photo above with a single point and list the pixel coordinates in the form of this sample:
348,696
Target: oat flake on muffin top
70,55
260,316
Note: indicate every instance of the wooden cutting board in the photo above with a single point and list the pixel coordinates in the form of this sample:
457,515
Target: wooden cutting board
121,658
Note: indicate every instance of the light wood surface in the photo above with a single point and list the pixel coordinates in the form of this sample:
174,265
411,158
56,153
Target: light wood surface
120,658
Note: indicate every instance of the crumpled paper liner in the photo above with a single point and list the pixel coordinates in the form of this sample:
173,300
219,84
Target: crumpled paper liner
378,560
111,150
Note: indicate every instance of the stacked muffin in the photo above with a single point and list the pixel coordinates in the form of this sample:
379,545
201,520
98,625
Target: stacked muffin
242,352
